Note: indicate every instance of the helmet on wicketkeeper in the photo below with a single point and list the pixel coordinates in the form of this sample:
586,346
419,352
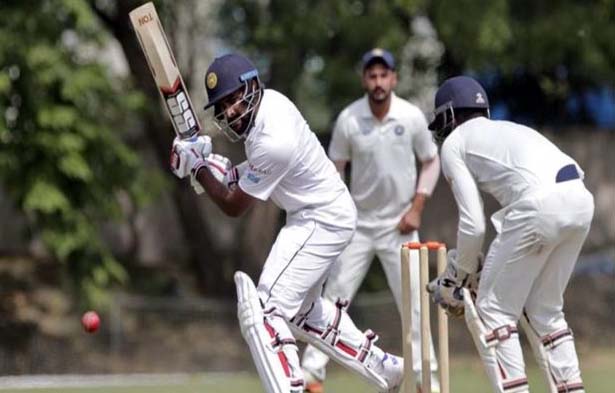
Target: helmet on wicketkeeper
460,93
234,90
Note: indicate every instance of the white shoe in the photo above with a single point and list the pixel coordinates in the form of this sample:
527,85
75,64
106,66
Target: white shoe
392,371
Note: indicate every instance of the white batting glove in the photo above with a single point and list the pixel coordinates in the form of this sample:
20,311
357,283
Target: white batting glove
218,165
187,154
233,174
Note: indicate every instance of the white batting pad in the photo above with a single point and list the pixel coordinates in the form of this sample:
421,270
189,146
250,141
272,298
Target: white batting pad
539,352
272,346
486,342
327,327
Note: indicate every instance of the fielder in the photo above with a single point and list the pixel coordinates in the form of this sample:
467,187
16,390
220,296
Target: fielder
381,135
544,220
285,162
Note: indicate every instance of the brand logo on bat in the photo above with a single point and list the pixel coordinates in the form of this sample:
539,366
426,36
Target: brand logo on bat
145,19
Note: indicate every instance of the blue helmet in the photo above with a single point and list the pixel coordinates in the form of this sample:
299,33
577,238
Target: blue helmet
226,75
460,92
378,55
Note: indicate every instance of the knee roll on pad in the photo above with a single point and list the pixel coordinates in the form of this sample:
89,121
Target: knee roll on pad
273,348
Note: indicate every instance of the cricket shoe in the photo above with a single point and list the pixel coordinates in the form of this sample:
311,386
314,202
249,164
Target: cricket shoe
392,371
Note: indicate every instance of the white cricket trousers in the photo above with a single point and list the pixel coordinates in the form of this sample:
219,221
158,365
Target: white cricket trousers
298,265
348,273
528,268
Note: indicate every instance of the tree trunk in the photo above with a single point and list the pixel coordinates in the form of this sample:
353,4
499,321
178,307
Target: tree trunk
204,255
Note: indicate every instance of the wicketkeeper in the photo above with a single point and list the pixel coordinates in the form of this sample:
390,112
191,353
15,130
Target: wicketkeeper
544,220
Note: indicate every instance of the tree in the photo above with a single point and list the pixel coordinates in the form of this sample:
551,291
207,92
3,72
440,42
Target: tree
533,55
62,157
310,50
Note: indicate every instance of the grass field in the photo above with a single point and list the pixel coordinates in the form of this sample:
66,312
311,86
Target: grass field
467,376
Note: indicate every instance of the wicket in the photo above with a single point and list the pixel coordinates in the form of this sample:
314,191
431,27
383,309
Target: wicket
409,379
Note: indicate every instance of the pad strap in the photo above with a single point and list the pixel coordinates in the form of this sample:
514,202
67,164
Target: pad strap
572,386
501,333
516,385
554,339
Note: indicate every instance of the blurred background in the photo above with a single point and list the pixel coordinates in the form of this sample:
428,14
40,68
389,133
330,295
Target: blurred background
91,217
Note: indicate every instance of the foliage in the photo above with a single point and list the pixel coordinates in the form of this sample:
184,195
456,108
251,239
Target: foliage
541,53
536,55
62,159
310,49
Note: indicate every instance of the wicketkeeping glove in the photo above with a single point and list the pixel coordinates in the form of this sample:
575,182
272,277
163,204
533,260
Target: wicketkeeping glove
446,290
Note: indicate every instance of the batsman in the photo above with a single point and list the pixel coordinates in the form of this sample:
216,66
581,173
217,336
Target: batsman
544,219
285,163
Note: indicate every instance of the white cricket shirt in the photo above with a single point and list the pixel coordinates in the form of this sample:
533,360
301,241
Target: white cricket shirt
287,163
501,158
383,158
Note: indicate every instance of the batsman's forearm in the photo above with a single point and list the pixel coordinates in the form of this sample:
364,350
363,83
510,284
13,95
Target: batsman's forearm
217,192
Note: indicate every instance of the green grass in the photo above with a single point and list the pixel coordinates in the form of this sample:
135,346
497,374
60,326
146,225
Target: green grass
467,376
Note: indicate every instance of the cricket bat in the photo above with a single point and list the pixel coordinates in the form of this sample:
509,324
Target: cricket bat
164,69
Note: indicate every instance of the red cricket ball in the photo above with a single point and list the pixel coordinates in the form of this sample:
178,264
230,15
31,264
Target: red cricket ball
90,321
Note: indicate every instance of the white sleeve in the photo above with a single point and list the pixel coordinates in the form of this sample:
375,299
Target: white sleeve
471,230
266,168
422,141
339,148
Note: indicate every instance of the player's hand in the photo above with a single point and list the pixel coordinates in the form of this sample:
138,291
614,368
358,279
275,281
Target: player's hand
233,174
411,221
446,289
447,296
219,166
187,154
446,292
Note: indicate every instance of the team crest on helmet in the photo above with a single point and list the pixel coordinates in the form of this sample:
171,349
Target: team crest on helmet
479,98
212,80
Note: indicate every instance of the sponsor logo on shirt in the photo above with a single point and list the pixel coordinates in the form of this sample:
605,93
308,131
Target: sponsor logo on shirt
258,170
253,178
399,129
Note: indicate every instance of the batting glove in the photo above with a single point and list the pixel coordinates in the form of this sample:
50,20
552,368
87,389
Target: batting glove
187,154
233,175
218,165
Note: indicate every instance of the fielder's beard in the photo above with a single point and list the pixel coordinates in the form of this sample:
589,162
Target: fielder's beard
379,95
